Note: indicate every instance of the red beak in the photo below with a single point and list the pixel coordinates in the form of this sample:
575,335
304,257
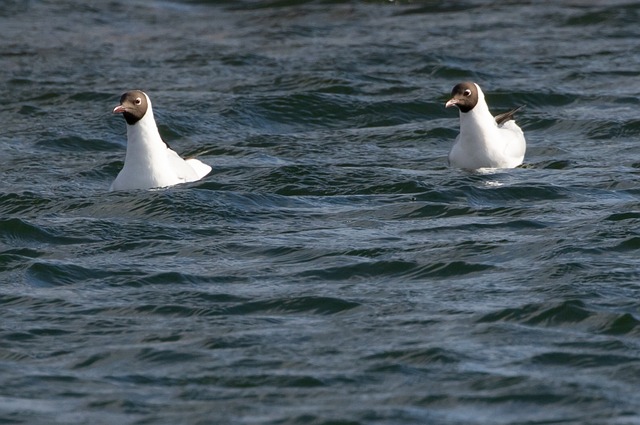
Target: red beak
119,109
450,102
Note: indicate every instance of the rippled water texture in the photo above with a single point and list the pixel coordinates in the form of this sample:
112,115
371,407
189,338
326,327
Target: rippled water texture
331,269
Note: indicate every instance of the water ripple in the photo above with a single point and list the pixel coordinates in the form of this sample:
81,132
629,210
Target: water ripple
332,269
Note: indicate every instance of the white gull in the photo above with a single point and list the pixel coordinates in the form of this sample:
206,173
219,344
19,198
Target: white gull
150,162
484,141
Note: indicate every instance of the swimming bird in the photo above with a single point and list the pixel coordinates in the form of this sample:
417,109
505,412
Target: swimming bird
150,162
484,141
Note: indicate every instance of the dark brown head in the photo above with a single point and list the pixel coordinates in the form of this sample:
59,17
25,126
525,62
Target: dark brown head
464,96
133,106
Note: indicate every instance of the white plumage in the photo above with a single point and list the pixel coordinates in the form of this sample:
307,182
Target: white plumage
150,162
484,141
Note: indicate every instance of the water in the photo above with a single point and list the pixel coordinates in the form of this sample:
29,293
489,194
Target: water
331,269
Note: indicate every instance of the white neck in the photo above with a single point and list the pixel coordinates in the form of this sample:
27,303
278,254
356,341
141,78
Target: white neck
479,120
144,143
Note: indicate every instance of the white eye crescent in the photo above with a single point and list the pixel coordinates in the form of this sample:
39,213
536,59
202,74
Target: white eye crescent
138,101
467,92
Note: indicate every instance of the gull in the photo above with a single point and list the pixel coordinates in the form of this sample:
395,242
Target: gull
484,141
150,162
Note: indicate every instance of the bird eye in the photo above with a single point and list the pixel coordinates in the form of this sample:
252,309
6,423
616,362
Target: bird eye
138,101
467,92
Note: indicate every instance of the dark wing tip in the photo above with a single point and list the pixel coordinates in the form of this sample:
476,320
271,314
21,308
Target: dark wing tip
503,118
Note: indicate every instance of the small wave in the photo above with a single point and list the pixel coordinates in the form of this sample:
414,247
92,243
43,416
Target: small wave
316,305
75,144
583,360
568,314
12,259
17,231
386,268
417,356
629,244
22,203
46,274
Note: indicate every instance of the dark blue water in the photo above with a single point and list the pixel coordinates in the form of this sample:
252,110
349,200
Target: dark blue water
331,269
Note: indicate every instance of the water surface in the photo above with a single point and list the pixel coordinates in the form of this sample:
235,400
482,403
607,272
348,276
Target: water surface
331,269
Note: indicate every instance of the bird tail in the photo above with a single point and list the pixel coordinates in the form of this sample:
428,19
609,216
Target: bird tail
200,167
